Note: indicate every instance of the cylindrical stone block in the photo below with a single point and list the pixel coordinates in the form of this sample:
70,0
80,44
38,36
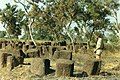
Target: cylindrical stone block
92,67
3,59
19,56
40,66
64,67
63,54
31,53
32,46
25,48
0,45
10,63
3,45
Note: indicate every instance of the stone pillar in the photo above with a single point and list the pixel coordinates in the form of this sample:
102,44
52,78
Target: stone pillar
40,66
3,59
77,47
19,56
64,67
55,48
3,45
20,46
63,54
69,47
32,53
25,48
10,63
0,44
32,46
46,51
92,67
62,43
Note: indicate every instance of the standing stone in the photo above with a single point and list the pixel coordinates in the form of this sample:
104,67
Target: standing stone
40,50
3,59
62,43
10,63
20,46
69,47
64,67
83,49
31,43
25,47
63,54
46,51
47,43
52,49
40,66
77,47
13,45
92,67
19,56
32,53
43,50
3,45
32,46
0,44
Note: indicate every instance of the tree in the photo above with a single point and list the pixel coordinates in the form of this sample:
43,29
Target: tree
2,34
12,18
55,16
29,18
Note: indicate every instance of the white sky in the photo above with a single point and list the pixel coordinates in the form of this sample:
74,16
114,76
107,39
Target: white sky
3,2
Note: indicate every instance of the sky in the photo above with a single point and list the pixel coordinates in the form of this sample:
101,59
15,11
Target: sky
3,2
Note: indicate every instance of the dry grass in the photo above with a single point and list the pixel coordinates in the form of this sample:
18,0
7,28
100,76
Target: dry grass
110,63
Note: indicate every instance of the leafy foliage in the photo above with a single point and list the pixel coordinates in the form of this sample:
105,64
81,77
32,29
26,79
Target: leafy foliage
52,18
12,19
2,34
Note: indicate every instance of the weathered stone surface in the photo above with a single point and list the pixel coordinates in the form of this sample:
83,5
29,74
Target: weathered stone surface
64,67
52,49
3,59
44,51
83,50
40,50
62,43
13,45
77,47
31,43
4,45
25,47
69,47
83,44
32,53
47,43
0,44
92,67
63,54
19,56
40,66
20,46
10,63
32,46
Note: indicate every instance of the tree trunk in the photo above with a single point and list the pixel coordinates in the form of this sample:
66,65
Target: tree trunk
71,39
30,31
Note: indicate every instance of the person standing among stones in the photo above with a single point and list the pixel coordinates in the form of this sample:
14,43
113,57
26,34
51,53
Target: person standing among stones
99,46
